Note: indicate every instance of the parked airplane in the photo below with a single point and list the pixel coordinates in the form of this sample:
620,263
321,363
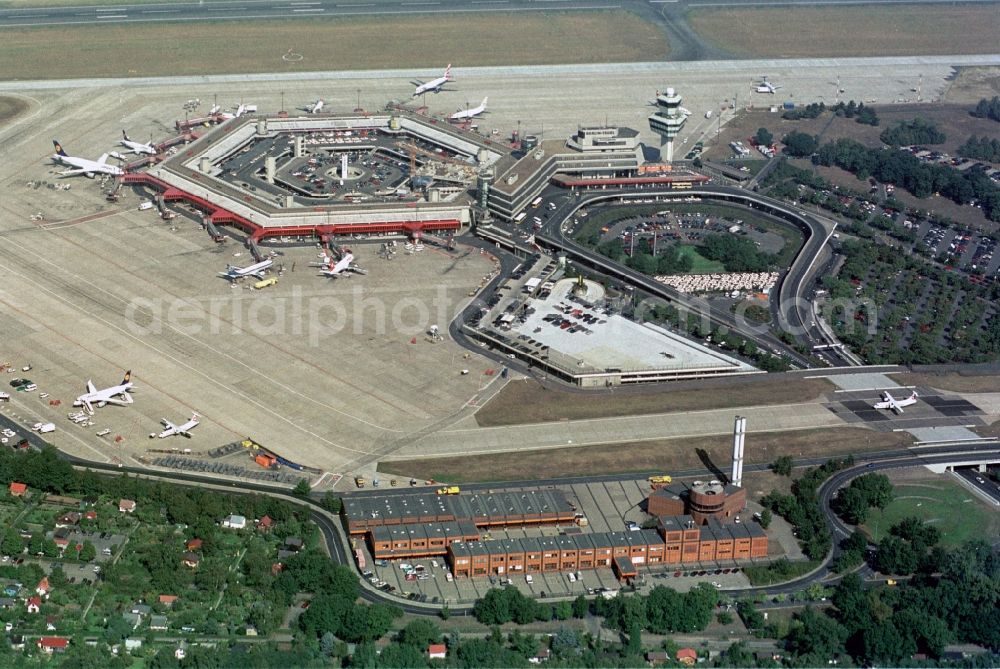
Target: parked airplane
184,429
113,395
313,107
240,111
890,402
434,86
137,147
83,166
470,113
766,86
332,269
257,269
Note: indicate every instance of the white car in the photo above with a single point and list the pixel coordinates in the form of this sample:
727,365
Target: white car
528,579
571,576
44,427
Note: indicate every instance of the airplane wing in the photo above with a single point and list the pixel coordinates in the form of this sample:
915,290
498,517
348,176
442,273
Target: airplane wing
167,424
91,388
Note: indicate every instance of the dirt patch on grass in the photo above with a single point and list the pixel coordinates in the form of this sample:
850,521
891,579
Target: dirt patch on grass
899,30
235,47
667,455
972,84
11,108
956,383
530,402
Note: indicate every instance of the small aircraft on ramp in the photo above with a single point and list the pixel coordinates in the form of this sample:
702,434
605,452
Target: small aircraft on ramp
83,166
313,107
184,429
137,147
114,395
766,86
890,402
257,269
463,114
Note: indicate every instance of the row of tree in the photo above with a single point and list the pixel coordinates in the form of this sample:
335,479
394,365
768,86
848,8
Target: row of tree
737,254
897,167
913,132
988,108
981,148
802,508
668,258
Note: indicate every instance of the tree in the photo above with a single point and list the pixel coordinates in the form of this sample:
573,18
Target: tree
88,552
302,488
815,635
444,612
764,137
581,607
800,144
13,544
782,466
420,633
330,502
765,518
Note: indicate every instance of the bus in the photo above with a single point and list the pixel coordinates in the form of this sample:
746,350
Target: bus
537,201
519,217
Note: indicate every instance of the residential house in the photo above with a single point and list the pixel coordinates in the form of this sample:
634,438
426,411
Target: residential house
293,544
126,505
284,554
17,642
61,537
90,514
265,523
158,623
12,590
53,644
132,619
43,588
18,489
167,600
7,603
141,609
50,623
437,651
234,522
191,559
132,644
542,655
193,544
70,519
34,604
657,657
688,656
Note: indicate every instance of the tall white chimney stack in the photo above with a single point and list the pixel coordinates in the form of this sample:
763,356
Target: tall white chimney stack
739,436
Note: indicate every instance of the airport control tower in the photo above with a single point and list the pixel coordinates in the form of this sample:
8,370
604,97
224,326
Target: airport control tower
667,121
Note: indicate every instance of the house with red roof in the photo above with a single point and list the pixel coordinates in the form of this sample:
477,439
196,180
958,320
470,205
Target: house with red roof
193,544
53,644
126,505
167,600
43,588
34,604
688,656
265,523
18,489
437,651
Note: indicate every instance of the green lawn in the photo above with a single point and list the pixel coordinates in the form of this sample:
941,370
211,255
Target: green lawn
699,263
940,501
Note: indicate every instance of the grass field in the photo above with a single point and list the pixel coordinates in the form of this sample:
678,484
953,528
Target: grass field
699,263
11,108
942,502
530,402
897,30
664,455
239,47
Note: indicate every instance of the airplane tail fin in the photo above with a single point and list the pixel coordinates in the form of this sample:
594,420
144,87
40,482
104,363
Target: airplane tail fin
914,395
127,377
125,135
58,146
447,72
